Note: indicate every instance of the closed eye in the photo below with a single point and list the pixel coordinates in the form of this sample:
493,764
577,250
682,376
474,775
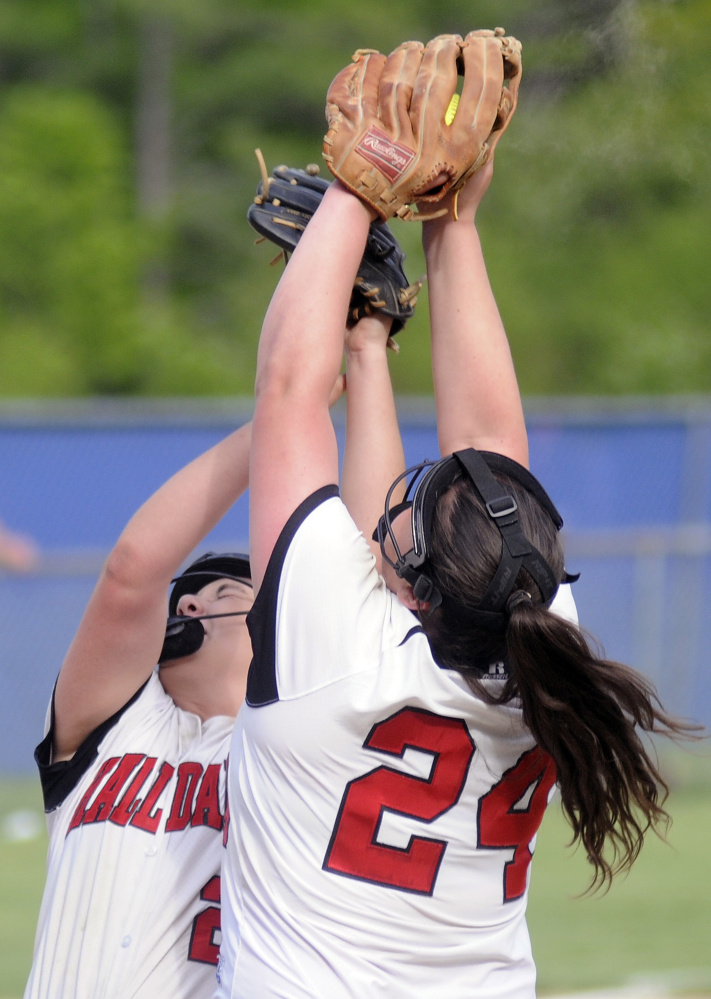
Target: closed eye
231,590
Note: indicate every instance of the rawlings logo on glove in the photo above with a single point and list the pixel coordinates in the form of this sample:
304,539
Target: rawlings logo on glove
389,157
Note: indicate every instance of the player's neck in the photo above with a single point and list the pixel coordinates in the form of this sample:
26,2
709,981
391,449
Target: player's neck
202,690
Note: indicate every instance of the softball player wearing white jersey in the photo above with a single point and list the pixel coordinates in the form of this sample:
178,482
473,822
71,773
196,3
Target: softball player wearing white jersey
133,763
403,732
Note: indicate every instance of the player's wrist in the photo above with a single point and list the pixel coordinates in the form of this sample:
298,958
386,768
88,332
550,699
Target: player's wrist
366,351
440,234
369,336
340,191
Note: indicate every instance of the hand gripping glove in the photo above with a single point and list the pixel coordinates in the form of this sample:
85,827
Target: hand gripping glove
281,211
406,129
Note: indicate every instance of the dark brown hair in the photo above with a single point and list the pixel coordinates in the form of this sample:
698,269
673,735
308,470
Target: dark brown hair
592,715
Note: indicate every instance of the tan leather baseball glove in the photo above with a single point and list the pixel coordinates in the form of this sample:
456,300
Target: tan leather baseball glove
405,129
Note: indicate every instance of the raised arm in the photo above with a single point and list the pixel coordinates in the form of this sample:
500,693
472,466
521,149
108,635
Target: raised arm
476,391
373,456
121,633
300,352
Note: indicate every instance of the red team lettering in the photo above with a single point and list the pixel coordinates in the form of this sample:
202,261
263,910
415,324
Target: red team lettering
130,802
207,800
103,803
145,817
189,775
106,768
115,795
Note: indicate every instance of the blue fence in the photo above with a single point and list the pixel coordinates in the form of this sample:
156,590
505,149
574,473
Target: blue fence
633,482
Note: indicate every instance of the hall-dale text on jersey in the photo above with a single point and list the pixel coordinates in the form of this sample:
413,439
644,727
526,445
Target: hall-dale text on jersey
132,790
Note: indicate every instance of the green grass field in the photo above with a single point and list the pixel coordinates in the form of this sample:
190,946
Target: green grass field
22,865
654,925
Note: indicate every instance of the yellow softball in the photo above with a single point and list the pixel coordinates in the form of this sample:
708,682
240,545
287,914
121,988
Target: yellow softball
451,109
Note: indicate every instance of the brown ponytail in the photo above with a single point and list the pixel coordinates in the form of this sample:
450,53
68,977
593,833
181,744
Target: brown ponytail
588,713
592,715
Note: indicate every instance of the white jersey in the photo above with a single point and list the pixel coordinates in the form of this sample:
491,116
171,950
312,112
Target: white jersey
383,816
131,907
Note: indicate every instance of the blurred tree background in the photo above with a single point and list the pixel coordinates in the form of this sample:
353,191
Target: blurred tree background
127,137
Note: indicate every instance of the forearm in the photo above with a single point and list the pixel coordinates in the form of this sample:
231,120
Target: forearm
300,353
373,456
301,344
476,391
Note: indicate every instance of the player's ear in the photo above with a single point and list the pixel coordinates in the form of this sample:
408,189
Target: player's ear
406,596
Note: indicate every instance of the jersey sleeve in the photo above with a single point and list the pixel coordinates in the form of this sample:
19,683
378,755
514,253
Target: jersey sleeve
564,604
323,611
59,779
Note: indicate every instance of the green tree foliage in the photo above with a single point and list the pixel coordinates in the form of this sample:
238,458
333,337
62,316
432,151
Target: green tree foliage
127,137
609,189
67,253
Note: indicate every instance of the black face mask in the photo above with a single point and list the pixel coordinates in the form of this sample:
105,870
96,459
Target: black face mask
185,634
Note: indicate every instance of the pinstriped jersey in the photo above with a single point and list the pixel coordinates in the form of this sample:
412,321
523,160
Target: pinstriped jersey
383,816
136,821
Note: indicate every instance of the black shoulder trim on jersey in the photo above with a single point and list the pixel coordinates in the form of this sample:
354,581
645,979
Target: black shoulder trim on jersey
59,779
261,620
417,630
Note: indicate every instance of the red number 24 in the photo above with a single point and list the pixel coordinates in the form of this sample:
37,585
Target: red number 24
354,851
